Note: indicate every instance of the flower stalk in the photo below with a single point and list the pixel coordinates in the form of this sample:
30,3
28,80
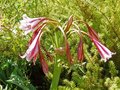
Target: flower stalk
56,74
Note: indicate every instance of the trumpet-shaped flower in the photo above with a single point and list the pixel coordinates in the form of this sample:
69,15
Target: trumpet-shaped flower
35,25
30,24
104,52
33,49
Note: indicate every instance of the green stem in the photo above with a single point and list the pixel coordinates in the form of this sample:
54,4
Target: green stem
56,75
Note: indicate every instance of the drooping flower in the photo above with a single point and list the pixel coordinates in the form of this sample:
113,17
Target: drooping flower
104,52
67,47
33,49
31,24
35,25
80,52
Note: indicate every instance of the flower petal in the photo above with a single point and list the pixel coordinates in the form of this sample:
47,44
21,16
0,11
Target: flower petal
31,24
104,52
35,33
33,48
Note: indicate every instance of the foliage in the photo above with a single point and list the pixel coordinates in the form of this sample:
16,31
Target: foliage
92,74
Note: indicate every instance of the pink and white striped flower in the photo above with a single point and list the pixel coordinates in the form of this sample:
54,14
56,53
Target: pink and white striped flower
35,25
33,49
31,24
104,52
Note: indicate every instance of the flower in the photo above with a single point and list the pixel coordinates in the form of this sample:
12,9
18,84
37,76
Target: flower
35,25
67,47
80,52
30,24
33,49
104,52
